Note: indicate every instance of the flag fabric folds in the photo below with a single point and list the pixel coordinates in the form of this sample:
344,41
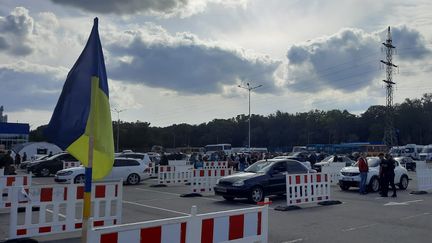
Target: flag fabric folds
83,109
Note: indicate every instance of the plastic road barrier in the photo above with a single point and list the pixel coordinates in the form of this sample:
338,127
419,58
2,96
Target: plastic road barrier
71,164
6,184
203,181
60,208
174,174
152,169
239,226
215,164
424,178
177,162
333,170
307,188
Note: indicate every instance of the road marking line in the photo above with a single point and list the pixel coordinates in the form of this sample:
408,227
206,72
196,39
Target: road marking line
162,209
402,203
415,216
358,227
61,215
293,241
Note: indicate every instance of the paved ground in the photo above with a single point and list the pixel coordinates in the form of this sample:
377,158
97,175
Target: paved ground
361,218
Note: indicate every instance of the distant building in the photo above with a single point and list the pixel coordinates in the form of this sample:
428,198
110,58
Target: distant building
13,133
35,149
3,118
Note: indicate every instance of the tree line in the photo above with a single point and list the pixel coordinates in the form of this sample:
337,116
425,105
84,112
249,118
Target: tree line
281,130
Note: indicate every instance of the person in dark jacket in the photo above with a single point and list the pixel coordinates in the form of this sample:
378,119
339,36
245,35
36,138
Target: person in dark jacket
391,175
24,158
6,162
164,160
364,169
17,159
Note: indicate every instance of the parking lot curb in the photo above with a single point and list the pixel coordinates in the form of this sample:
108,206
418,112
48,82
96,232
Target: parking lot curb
418,192
287,208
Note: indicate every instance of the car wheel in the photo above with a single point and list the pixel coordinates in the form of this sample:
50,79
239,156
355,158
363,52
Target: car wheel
344,187
44,172
256,195
228,198
79,179
374,184
403,184
133,179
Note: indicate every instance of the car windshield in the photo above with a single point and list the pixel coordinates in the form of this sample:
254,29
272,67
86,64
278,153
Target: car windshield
261,166
372,162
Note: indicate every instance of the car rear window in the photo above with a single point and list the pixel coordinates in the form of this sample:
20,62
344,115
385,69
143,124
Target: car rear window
125,162
294,167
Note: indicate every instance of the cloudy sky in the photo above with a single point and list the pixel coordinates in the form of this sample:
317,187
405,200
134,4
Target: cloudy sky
176,61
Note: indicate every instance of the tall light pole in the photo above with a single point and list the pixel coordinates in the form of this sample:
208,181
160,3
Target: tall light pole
118,126
249,89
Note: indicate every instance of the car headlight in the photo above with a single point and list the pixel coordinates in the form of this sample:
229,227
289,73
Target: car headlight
238,183
64,173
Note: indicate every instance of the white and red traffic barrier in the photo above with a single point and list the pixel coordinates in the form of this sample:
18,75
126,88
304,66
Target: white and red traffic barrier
333,170
174,174
307,188
203,181
6,184
239,226
71,164
424,178
60,208
215,164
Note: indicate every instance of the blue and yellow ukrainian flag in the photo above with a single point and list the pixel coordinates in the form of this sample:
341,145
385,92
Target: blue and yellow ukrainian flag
83,111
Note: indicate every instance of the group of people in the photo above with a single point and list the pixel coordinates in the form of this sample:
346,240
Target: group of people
386,173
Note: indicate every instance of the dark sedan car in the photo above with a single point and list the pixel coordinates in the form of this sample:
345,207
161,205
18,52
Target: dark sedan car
265,177
51,165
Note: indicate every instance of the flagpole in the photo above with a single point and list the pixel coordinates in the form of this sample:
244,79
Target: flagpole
88,170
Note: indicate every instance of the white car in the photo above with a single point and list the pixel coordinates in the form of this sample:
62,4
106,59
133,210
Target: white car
131,171
139,156
350,176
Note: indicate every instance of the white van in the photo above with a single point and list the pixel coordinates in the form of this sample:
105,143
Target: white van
426,153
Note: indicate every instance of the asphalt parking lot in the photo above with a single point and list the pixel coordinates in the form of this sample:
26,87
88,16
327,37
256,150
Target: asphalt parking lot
360,218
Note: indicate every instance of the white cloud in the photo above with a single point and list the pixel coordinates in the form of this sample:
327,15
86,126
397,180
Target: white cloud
164,8
348,60
183,62
30,86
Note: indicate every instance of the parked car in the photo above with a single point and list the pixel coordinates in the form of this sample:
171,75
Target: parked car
306,163
299,156
407,162
131,171
265,177
139,156
25,164
350,176
333,159
50,165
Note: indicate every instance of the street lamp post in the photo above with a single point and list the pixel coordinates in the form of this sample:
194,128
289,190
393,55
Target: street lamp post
249,89
118,127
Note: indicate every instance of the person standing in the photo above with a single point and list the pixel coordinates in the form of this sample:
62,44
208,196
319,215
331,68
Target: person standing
383,175
6,162
391,175
17,159
24,158
364,169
